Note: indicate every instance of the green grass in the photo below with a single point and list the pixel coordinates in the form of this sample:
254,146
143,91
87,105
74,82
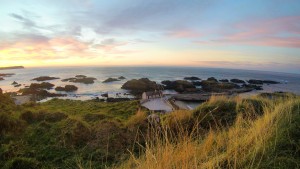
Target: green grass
257,132
65,133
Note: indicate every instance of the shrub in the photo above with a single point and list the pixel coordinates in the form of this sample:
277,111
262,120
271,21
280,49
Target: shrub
22,163
216,114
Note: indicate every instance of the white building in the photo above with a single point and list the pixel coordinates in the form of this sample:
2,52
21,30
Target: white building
152,95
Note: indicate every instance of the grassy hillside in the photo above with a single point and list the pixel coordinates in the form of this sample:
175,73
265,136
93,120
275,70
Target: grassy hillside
258,132
227,133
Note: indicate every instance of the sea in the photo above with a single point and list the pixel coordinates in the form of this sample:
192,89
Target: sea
288,82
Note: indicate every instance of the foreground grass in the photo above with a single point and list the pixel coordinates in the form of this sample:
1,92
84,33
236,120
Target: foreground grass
65,133
227,133
258,132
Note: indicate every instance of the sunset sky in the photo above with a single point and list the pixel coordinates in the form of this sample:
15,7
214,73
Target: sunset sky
246,34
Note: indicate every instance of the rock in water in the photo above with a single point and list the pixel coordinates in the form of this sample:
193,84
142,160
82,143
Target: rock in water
139,86
237,81
179,85
110,80
45,78
67,88
121,78
192,78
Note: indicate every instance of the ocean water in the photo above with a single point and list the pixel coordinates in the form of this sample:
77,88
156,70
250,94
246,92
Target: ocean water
290,82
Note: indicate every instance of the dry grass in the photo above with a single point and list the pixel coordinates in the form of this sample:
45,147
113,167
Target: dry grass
243,145
138,118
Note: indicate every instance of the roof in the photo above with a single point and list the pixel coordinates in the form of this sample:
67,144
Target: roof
157,105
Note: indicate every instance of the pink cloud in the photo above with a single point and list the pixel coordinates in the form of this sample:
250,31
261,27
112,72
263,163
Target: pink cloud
183,34
279,32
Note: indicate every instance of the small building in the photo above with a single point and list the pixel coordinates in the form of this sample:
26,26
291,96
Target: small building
152,95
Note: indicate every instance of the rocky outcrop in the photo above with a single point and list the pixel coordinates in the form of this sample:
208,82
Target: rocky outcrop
14,83
43,85
1,78
80,76
80,79
224,80
45,78
192,78
6,74
212,79
121,77
179,86
67,88
110,80
104,95
137,87
237,81
196,83
260,82
213,86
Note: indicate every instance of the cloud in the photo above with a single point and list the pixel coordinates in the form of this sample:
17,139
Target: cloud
183,34
292,67
277,32
27,23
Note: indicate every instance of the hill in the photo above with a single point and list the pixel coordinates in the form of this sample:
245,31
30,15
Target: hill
258,132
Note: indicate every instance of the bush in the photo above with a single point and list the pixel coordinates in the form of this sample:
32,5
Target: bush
9,124
219,113
22,163
251,108
31,117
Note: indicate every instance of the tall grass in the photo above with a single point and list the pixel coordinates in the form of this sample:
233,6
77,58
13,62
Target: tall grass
248,143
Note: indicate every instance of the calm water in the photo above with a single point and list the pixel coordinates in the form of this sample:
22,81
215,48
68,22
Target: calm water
24,76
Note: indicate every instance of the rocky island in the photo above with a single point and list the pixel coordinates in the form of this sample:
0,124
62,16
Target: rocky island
80,79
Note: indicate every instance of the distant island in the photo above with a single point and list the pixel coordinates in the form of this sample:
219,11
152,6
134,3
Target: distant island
12,67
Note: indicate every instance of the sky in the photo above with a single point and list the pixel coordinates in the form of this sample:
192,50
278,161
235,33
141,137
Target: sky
246,34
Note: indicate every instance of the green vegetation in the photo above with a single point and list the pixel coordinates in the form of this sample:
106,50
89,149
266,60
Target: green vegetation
227,133
65,133
257,132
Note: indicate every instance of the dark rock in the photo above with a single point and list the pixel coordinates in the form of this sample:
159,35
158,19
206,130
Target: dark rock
80,76
70,88
213,86
104,95
6,74
80,79
14,83
110,80
196,83
45,78
17,85
110,99
256,87
67,88
237,81
212,79
224,80
139,86
179,85
68,79
270,82
253,81
192,78
121,78
1,92
43,85
1,78
39,93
